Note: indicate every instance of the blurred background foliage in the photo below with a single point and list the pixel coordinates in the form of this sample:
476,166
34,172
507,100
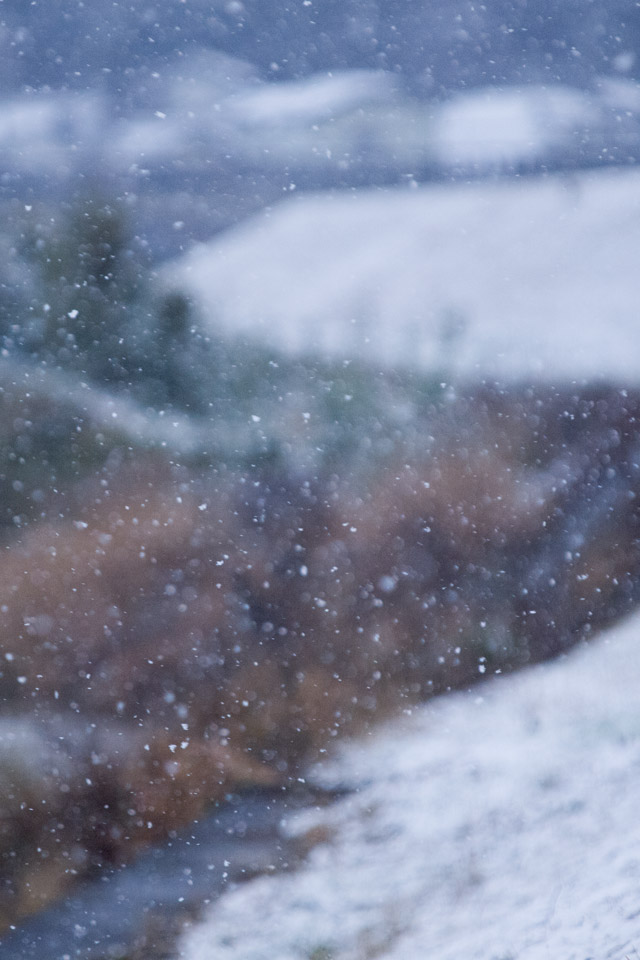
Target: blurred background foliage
200,529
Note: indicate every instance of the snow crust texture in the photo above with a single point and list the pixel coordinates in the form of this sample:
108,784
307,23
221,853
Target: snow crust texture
501,824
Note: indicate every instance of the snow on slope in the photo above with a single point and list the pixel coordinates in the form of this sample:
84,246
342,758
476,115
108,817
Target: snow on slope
319,97
502,125
501,824
513,278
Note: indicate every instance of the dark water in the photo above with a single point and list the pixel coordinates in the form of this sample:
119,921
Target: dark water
138,910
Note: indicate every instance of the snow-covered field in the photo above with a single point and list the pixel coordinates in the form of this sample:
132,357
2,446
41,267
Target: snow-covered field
536,277
495,126
501,824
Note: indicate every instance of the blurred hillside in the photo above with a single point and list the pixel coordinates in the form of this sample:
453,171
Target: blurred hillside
200,114
431,45
319,380
516,279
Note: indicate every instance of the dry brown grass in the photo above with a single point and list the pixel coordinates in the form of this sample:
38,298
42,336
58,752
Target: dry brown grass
176,638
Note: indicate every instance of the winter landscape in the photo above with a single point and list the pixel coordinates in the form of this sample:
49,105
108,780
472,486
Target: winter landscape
319,480
496,823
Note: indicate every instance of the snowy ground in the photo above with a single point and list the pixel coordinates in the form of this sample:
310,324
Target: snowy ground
501,824
536,277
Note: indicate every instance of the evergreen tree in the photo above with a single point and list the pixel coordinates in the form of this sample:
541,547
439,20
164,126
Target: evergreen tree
98,316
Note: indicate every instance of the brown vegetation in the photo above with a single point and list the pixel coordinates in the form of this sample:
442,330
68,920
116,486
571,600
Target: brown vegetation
177,637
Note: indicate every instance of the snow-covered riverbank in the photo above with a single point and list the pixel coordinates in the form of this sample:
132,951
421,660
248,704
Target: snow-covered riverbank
502,823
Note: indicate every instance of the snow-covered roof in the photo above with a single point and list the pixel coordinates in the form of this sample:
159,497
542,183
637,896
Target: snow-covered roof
533,277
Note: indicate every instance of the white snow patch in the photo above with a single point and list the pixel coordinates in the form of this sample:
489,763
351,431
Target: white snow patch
37,131
502,823
502,125
532,277
106,411
319,97
148,140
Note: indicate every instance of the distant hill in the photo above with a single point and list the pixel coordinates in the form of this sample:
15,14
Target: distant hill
527,277
435,46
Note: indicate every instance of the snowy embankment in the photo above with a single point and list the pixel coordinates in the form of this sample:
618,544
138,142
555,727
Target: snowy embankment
502,823
536,277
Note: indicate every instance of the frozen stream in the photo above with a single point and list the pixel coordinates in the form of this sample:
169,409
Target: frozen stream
108,916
